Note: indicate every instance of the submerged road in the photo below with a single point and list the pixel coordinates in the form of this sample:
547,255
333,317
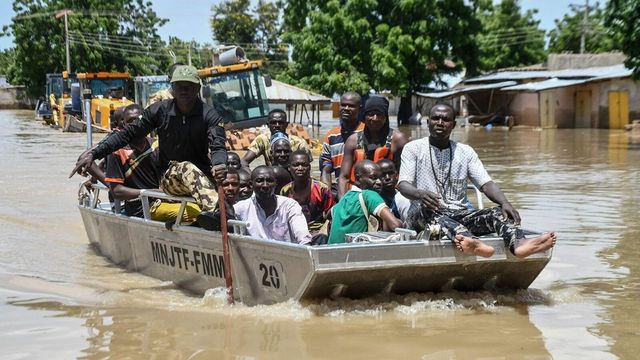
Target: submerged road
61,300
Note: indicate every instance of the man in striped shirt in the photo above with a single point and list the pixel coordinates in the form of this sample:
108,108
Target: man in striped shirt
333,145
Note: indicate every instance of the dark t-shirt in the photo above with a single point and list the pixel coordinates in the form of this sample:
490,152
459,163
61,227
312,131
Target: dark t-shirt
134,169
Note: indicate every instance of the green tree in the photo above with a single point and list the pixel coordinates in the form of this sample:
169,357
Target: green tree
121,36
623,17
7,60
395,45
268,36
567,33
509,37
232,22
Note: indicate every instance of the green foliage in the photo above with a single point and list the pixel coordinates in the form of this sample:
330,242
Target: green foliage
623,18
566,35
200,53
121,36
395,45
509,37
7,60
257,30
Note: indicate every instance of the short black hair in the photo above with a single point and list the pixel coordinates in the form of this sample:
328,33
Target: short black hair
278,111
301,152
134,106
387,162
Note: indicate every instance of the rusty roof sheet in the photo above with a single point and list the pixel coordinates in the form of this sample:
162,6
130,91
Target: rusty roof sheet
280,92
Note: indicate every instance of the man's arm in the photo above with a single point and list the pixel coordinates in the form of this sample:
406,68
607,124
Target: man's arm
407,177
347,164
256,149
326,164
398,142
389,222
138,128
217,145
496,195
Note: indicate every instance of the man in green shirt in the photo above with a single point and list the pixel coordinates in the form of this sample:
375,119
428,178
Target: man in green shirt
349,216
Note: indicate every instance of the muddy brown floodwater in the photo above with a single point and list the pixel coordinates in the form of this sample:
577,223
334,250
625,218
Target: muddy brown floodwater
61,300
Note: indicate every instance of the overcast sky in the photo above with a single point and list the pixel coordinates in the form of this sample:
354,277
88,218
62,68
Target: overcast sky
188,19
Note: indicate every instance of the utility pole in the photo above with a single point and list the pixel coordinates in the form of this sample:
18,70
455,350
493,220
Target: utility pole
585,24
66,35
189,58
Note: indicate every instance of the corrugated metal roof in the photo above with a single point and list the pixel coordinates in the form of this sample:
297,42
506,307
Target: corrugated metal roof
465,89
280,92
543,85
602,72
153,78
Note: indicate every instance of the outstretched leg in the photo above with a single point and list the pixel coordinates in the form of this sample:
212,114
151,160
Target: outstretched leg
470,245
526,247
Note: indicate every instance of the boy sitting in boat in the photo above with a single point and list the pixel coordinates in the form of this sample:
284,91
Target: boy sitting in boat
314,196
398,204
435,170
245,190
350,215
271,216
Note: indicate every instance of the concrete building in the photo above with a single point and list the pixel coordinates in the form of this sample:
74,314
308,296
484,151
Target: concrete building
582,96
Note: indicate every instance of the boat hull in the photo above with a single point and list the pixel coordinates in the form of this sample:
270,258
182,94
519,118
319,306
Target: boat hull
267,272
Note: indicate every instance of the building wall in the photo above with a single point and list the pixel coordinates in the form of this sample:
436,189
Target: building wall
14,97
565,105
601,105
524,108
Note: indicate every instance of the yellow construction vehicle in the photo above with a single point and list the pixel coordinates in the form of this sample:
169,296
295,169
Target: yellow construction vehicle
106,91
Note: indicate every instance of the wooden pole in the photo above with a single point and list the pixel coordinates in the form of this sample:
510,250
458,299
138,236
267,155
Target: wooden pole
225,244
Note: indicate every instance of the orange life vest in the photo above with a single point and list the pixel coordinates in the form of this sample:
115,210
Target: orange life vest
382,152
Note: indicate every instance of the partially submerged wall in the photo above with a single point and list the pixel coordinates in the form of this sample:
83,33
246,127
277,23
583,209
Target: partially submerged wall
15,97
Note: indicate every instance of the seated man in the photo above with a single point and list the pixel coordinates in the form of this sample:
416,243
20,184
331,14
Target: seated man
349,215
271,216
233,160
280,153
314,197
261,145
244,183
398,204
231,185
434,172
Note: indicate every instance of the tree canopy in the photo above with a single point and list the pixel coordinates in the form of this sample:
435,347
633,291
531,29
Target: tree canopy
598,38
256,29
121,36
623,18
394,45
509,37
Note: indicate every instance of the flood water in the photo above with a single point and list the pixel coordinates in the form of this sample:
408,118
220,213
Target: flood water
61,300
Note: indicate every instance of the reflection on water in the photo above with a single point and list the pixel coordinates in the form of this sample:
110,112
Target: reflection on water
61,300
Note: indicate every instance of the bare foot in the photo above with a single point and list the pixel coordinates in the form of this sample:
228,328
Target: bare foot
526,247
471,246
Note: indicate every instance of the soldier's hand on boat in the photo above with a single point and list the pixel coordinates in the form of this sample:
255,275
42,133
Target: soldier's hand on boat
509,212
219,172
430,199
83,164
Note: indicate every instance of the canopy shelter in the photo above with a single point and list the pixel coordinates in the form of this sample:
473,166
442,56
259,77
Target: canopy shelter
300,100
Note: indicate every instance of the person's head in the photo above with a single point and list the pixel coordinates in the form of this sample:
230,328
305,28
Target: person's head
300,165
131,113
115,121
441,121
185,85
388,174
376,113
280,151
277,121
245,190
282,177
263,182
368,175
231,186
350,107
172,68
233,160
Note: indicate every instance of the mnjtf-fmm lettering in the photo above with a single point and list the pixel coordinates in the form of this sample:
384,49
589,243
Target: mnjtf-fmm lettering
201,262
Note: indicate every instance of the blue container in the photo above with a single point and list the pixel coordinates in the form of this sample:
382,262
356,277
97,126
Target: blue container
76,98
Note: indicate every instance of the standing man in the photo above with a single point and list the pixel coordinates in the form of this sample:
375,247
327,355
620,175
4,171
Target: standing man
271,216
435,172
188,130
376,142
333,145
261,145
314,197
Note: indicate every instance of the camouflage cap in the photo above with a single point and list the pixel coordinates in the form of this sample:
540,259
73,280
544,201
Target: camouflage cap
185,73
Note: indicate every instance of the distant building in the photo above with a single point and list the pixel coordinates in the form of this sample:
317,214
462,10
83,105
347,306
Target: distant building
3,80
571,91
